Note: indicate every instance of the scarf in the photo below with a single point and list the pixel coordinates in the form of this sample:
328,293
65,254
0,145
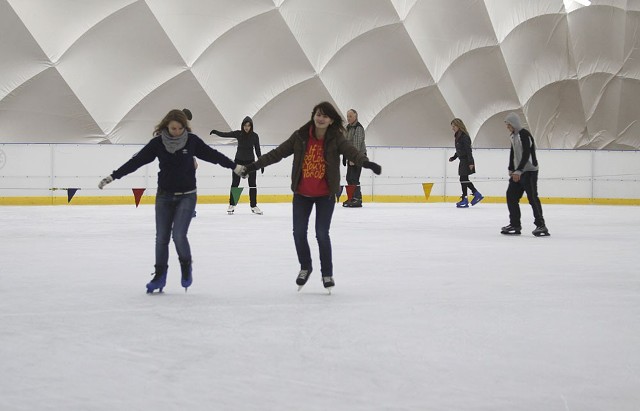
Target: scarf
173,144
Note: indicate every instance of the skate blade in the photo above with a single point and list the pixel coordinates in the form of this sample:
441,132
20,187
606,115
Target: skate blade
329,290
300,287
543,235
509,233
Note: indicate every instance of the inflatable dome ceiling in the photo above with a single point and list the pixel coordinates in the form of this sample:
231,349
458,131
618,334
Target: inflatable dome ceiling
107,71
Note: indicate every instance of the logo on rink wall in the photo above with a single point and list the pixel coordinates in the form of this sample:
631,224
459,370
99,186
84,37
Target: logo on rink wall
3,159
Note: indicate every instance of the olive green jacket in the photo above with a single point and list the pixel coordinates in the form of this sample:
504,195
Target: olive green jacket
335,145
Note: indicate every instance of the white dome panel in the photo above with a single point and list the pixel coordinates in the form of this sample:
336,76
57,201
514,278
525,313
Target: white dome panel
288,111
544,60
111,80
56,25
251,64
418,119
22,58
192,25
310,21
374,70
44,117
443,31
507,15
477,85
180,92
553,128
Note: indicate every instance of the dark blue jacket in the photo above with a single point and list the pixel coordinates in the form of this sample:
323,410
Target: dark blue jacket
177,171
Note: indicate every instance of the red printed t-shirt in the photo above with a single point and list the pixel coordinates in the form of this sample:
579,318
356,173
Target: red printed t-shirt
312,181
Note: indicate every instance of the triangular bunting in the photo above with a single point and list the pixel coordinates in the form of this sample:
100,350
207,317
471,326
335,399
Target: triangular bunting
350,190
235,194
137,194
70,193
427,189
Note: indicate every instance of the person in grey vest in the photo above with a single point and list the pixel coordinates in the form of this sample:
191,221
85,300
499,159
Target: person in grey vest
523,173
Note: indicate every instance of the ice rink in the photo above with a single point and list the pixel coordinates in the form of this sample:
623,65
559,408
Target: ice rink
433,309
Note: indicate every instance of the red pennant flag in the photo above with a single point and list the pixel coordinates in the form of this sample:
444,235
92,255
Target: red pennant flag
70,193
350,190
137,193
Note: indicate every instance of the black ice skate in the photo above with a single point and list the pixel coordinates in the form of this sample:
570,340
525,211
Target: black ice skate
353,203
302,278
328,283
541,231
511,230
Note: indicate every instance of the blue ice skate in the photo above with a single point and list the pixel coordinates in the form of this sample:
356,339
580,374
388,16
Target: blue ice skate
477,197
159,280
187,276
463,203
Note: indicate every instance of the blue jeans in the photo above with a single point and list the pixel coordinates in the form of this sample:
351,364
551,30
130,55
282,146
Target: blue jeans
173,214
302,207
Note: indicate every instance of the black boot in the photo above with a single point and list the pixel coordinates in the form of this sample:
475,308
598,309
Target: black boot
187,277
511,229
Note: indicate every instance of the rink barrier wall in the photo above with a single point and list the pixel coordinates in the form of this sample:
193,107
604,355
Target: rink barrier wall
40,174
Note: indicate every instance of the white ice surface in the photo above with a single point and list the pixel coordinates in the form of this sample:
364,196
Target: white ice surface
433,309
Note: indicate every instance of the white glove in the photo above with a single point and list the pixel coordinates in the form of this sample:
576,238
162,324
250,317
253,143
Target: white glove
105,181
241,171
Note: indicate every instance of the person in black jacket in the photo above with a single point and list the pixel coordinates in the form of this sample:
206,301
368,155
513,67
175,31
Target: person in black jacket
248,141
467,165
175,148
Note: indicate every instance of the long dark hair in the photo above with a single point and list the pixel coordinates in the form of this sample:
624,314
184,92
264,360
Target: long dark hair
327,109
458,123
173,115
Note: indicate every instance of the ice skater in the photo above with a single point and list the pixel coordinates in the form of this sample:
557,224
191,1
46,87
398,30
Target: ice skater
355,135
315,181
467,165
248,141
523,178
175,148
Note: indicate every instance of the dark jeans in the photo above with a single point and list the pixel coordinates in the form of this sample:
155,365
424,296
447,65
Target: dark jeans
528,184
302,207
235,182
173,214
465,183
353,179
